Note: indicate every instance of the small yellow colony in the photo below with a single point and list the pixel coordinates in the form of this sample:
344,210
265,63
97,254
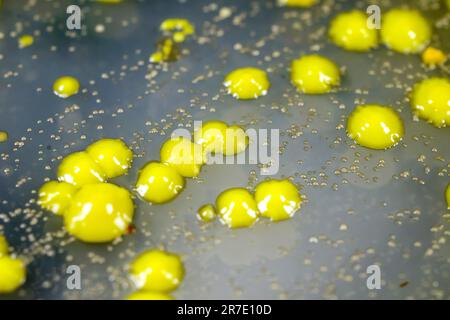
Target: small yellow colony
159,182
431,101
314,74
184,155
12,270
206,213
25,41
149,295
156,273
349,30
247,83
277,199
237,208
405,31
433,57
217,137
375,126
66,86
93,210
99,212
180,28
297,3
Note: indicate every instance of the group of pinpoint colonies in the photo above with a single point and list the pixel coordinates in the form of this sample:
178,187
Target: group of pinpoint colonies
97,211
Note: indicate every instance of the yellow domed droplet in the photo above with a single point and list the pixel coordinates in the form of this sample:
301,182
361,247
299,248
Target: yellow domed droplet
12,274
431,101
3,246
79,169
277,199
206,213
237,208
56,196
247,83
297,3
112,155
349,30
3,136
149,295
25,41
236,140
157,270
99,212
180,28
65,87
375,126
159,182
183,155
211,135
433,56
314,74
405,31
447,196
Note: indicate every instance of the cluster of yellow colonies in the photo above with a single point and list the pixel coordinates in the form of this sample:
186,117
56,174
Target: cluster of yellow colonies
12,270
159,182
93,210
156,273
273,199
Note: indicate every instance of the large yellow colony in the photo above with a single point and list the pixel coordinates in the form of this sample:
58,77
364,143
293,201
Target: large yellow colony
156,273
405,30
375,126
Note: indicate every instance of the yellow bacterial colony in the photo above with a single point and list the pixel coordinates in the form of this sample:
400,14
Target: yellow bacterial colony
157,271
405,31
12,270
314,74
99,212
349,30
237,208
277,199
66,86
431,101
247,83
159,182
26,40
375,126
184,155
